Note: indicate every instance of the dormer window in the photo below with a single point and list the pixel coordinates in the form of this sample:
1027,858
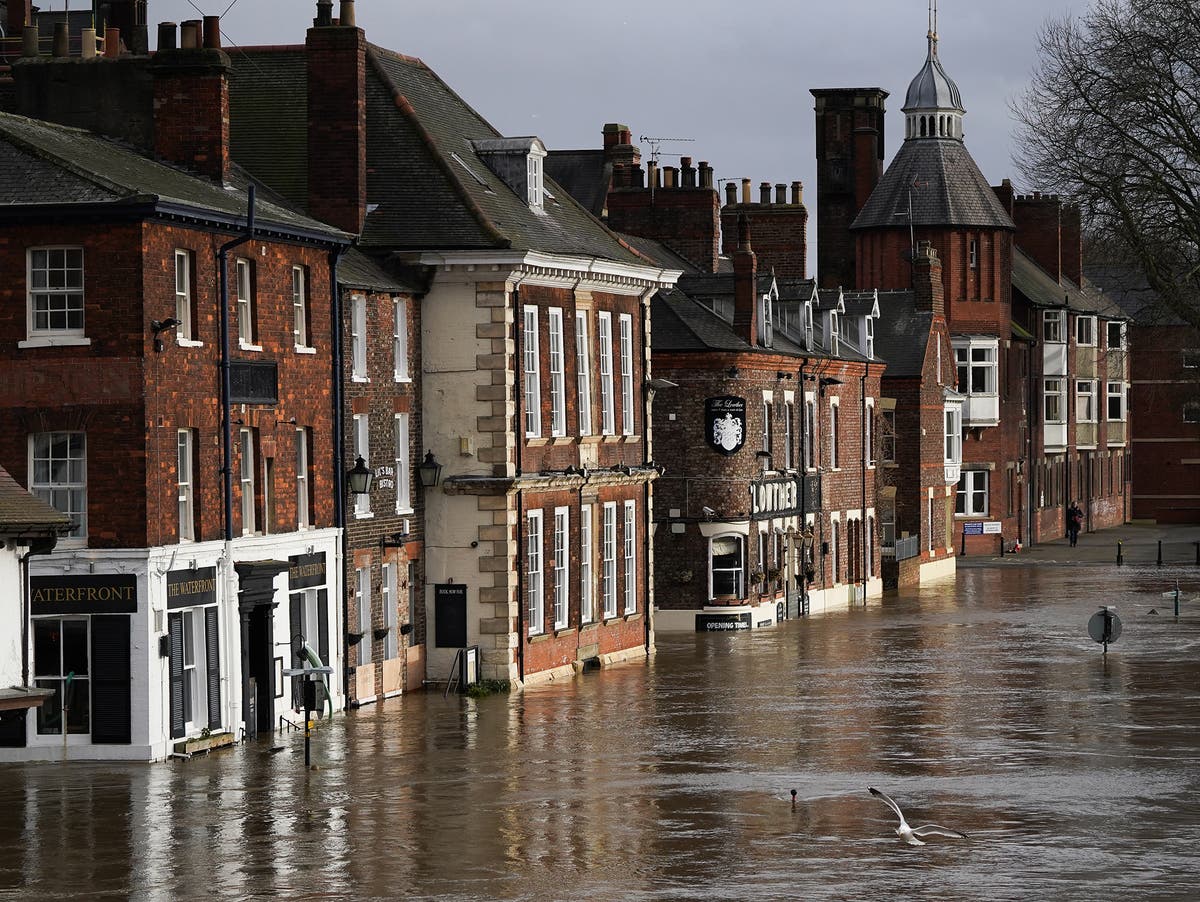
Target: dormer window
519,163
808,326
533,180
833,333
869,332
766,325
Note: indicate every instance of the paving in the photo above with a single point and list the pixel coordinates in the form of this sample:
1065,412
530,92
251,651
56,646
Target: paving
1138,543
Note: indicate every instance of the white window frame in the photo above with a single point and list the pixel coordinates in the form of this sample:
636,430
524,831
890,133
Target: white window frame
247,474
952,432
587,553
766,321
534,180
400,366
562,567
625,331
1053,326
789,426
300,335
965,354
358,338
766,426
531,367
812,450
835,550
608,425
869,330
535,598
973,253
1115,392
362,448
583,367
303,480
1053,388
1085,331
388,602
834,334
869,434
403,465
185,456
739,572
1085,401
558,384
185,331
629,534
46,471
808,326
362,595
244,291
835,430
608,569
966,497
61,300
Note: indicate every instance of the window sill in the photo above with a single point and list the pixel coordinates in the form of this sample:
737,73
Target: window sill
402,379
244,346
610,439
889,465
368,515
188,343
631,439
564,630
562,440
539,637
589,439
404,512
305,349
536,441
55,341
631,616
360,379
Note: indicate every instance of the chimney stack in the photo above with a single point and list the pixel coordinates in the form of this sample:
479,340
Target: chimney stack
764,194
706,175
745,285
687,173
928,291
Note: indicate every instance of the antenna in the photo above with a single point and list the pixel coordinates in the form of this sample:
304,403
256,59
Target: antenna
655,144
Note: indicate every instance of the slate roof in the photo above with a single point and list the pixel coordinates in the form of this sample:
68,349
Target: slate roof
48,164
586,174
357,270
427,187
658,252
1042,290
932,88
796,289
952,190
23,514
1127,288
901,334
859,303
720,285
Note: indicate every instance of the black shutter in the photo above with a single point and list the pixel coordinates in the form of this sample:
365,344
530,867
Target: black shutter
323,625
175,631
297,629
111,715
212,650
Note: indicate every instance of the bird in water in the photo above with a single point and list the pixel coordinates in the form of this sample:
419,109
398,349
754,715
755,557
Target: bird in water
911,835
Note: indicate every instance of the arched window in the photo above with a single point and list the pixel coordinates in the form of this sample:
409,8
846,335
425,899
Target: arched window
922,126
727,564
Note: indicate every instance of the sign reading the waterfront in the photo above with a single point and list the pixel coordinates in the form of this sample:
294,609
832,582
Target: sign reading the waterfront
306,571
85,593
723,623
774,497
191,588
725,424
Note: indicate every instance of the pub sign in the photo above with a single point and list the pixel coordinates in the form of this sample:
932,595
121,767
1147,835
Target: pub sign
725,424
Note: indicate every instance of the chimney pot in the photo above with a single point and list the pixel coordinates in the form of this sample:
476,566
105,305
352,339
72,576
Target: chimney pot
324,14
781,193
706,179
730,194
669,179
112,42
168,33
62,38
212,32
746,191
346,14
764,193
652,174
797,193
189,35
29,41
87,43
685,162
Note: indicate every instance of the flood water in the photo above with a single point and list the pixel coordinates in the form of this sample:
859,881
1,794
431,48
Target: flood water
981,705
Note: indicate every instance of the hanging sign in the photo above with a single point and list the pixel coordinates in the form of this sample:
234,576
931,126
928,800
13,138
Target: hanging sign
191,588
725,424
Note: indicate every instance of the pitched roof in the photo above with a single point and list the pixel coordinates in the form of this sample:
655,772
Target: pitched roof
1126,287
357,270
23,514
586,174
947,190
901,334
658,252
48,164
1043,290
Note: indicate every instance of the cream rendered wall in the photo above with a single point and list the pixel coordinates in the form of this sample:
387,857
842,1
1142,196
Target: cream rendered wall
11,593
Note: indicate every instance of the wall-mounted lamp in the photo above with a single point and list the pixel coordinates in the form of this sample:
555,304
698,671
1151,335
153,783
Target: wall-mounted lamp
395,540
827,381
781,375
429,471
360,478
157,326
764,459
733,372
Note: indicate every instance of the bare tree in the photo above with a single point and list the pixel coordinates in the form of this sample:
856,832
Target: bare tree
1111,119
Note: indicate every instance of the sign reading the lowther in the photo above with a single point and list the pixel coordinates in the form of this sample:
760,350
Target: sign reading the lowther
725,424
86,593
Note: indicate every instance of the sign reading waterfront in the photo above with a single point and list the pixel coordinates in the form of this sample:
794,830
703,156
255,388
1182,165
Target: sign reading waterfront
306,571
85,593
191,588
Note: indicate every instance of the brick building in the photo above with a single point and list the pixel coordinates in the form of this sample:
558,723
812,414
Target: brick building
199,502
533,336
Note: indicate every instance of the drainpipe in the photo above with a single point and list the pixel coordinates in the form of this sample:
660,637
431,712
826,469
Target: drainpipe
230,575
862,523
647,457
339,464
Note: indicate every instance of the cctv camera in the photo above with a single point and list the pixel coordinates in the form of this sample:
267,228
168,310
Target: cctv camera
709,512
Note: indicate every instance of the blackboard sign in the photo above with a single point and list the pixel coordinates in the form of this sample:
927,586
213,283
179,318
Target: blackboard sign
191,588
94,593
723,623
450,615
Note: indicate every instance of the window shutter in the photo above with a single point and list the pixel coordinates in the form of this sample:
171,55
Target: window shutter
212,648
323,625
111,715
175,632
296,624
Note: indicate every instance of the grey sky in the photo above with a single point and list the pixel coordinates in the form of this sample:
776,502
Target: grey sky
732,76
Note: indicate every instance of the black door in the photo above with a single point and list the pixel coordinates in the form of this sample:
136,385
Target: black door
262,665
111,718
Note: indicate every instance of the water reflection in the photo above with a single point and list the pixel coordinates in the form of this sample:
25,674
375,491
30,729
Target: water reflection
981,704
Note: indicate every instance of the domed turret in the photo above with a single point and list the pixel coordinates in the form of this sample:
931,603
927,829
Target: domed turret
933,106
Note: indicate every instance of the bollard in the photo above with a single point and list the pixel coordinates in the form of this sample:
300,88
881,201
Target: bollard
1120,556
964,542
1160,552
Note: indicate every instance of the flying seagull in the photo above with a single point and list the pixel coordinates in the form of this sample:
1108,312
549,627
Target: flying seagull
910,834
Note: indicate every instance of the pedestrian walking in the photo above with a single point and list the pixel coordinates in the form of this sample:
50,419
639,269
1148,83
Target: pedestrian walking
1074,522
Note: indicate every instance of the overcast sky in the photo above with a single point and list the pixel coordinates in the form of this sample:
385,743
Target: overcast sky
732,76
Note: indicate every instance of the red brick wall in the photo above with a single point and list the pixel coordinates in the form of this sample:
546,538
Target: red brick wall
1039,230
778,233
685,219
191,110
337,126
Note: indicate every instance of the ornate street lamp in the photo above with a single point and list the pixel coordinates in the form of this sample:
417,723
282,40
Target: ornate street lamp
429,471
360,478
